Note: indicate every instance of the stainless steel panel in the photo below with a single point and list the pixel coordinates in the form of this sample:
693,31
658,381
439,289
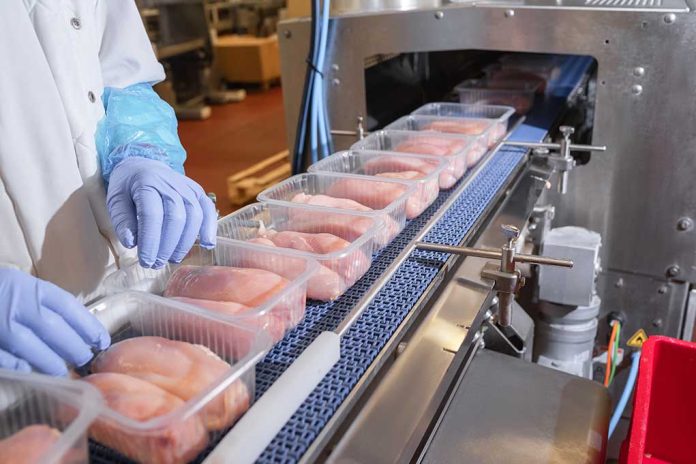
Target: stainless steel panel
689,318
385,430
635,193
506,410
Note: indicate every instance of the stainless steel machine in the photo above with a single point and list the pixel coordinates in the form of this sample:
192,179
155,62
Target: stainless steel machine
431,393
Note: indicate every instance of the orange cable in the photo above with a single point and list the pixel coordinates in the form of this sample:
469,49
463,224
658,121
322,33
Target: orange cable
607,372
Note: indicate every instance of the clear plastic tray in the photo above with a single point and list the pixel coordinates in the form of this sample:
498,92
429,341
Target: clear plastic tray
519,95
65,406
426,171
513,77
340,269
499,114
384,199
278,314
464,151
545,66
474,127
181,433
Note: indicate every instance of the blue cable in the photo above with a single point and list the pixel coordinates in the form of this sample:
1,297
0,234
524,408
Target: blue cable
324,132
628,389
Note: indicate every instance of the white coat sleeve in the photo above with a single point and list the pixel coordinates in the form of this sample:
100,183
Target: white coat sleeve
125,51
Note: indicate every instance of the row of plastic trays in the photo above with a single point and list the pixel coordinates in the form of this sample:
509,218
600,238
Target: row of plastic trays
513,81
311,236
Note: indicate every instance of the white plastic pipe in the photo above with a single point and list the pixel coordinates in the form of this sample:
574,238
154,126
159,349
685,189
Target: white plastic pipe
264,420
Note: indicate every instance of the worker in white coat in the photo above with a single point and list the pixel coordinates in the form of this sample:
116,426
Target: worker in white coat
91,171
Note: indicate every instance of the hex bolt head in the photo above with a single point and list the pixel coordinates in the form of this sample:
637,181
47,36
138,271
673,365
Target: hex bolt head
639,71
439,15
509,13
673,271
684,224
637,89
657,322
662,290
336,82
670,18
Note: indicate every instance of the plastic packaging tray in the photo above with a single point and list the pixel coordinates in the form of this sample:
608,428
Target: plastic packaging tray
513,77
385,199
279,314
134,314
474,127
342,268
546,67
499,114
66,406
378,163
519,95
466,151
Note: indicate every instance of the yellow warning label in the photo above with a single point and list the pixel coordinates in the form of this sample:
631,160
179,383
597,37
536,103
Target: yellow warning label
637,339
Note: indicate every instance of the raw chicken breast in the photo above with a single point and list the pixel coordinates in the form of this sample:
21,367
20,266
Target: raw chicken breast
440,147
375,195
459,126
250,286
141,401
232,340
29,445
350,227
335,276
180,368
391,165
424,196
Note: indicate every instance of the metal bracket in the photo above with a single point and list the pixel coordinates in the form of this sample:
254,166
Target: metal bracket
508,279
560,159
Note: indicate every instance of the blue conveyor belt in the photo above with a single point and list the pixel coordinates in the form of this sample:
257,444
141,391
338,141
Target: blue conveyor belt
362,343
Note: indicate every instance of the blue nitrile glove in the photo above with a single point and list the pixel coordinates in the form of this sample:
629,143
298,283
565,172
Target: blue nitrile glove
44,326
159,210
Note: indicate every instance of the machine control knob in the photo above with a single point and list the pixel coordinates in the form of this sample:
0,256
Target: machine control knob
510,232
567,131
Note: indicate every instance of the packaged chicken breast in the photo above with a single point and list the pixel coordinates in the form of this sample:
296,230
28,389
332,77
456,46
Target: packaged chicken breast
382,199
174,379
498,115
44,420
244,282
342,243
423,172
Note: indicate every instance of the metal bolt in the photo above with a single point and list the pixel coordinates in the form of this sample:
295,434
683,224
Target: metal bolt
685,224
673,271
334,67
657,322
637,89
619,283
439,15
400,348
287,34
639,71
662,290
540,151
670,18
566,131
488,315
336,82
509,13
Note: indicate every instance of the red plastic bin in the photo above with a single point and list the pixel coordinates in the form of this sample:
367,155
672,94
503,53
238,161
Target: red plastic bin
663,427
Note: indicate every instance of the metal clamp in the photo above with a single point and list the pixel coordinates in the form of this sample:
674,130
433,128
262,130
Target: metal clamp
359,133
508,279
560,159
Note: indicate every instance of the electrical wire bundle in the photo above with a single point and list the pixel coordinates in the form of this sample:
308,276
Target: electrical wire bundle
612,353
313,137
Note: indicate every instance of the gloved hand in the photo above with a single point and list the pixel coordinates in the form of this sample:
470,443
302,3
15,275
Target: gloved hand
159,210
43,325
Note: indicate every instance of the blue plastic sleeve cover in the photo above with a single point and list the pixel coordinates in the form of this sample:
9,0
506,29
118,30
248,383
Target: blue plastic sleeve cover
137,123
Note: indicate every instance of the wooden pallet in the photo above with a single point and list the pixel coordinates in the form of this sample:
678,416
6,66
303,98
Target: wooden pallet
244,186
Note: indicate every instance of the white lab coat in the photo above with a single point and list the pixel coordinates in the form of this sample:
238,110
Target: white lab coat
56,57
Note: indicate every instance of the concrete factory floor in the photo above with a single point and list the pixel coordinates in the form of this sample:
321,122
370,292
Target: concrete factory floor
235,137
